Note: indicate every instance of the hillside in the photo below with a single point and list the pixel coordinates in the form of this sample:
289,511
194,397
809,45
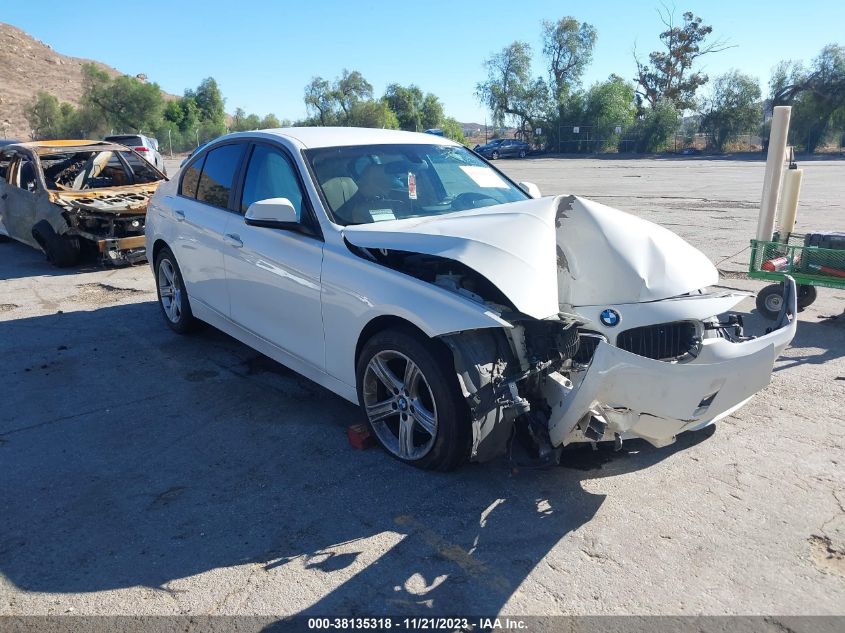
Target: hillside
27,66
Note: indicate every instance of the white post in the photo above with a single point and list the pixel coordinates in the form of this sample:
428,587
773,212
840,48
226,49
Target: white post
774,172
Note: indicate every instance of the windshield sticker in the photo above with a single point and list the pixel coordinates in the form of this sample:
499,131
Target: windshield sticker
380,215
412,186
484,177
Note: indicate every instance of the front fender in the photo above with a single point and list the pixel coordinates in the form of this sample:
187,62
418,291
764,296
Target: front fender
355,291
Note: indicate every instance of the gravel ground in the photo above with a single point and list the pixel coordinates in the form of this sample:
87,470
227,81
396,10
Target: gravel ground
146,473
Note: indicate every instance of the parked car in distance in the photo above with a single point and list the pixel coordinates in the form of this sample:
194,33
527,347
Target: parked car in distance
502,148
406,274
7,141
57,196
146,146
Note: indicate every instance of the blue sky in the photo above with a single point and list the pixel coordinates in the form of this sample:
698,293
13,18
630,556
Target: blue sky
263,53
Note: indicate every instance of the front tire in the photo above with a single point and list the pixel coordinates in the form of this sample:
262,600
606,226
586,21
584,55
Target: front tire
410,396
495,155
172,297
770,300
61,250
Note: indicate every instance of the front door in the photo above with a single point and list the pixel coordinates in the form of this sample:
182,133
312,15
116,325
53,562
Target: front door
274,274
21,198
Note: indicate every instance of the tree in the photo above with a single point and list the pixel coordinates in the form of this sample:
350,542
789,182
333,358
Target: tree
270,122
209,100
817,96
509,91
568,47
371,113
432,112
732,109
350,89
124,103
45,116
238,120
333,103
668,73
452,129
319,101
610,105
656,127
407,103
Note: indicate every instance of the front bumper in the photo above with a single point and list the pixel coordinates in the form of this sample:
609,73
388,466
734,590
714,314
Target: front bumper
626,395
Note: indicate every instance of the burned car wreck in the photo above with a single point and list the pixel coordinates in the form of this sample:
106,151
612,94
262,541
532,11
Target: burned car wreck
458,308
65,196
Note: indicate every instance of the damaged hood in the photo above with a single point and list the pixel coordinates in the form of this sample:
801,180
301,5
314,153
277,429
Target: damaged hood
552,252
611,257
129,199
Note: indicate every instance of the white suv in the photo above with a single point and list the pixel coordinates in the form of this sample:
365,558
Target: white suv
146,146
403,272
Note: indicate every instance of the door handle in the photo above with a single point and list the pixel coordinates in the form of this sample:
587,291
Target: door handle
180,215
233,240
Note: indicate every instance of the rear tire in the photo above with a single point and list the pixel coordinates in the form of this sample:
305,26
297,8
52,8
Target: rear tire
806,296
522,153
172,297
416,414
770,300
61,250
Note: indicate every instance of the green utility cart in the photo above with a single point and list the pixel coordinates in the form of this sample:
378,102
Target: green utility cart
810,266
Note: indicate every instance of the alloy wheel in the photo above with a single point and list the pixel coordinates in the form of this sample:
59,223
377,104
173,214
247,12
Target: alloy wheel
169,291
400,405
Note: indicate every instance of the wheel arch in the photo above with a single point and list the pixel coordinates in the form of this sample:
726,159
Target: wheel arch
390,321
157,246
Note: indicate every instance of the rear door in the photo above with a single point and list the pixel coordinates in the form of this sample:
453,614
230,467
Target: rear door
5,162
202,209
22,196
274,274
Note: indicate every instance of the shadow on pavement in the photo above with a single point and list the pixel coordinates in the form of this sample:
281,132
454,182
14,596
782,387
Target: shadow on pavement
130,456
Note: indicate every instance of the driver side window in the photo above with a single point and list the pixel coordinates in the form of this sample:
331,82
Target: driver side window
26,176
270,175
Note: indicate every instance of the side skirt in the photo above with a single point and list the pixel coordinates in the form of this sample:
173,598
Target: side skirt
215,319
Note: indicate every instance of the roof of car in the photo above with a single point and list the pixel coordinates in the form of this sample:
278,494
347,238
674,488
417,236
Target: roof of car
59,143
63,145
311,137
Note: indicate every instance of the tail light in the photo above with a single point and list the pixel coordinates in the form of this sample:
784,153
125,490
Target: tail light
141,149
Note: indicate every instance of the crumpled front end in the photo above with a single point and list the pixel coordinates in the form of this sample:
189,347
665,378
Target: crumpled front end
113,219
620,394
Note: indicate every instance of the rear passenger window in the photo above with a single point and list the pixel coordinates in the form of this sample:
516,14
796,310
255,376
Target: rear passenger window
191,178
218,174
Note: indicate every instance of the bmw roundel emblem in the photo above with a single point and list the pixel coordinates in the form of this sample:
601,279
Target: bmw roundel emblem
610,318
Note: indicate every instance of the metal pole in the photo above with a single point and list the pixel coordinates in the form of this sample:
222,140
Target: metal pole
170,140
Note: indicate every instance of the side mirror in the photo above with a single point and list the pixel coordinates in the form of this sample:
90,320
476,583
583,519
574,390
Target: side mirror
531,189
273,213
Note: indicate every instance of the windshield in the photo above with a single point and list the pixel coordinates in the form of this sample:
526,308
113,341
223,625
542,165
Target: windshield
373,183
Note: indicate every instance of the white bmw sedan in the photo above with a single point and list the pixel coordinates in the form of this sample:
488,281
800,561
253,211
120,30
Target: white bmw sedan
405,273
